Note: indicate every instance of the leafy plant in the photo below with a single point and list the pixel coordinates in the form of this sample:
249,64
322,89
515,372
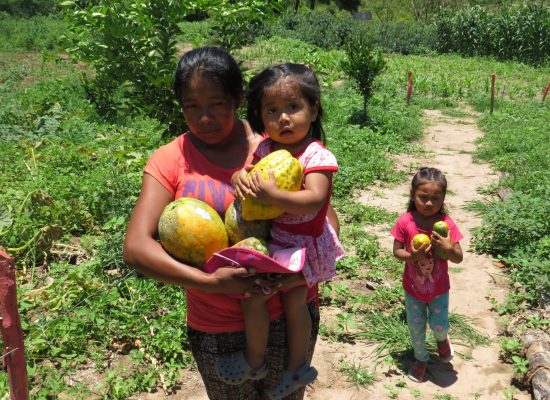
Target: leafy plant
509,347
520,365
357,374
363,64
131,46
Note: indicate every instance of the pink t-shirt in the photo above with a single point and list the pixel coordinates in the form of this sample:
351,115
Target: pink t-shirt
433,280
185,172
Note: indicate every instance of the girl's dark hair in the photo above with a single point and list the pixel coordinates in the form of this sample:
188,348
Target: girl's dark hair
214,63
427,174
309,85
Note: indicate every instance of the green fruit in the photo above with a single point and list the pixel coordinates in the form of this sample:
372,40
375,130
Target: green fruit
238,229
288,174
191,231
253,244
442,229
420,239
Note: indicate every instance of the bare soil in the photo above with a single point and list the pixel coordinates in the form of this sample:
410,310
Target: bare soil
475,373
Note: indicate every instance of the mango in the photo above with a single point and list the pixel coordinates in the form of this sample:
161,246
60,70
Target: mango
288,174
442,229
420,239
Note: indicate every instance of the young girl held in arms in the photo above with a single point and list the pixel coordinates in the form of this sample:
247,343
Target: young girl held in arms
284,102
426,277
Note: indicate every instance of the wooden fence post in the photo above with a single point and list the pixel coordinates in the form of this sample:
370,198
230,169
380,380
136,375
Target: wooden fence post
409,87
13,355
545,92
492,91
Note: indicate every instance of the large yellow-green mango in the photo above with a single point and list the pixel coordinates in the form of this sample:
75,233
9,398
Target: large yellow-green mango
288,174
238,229
191,231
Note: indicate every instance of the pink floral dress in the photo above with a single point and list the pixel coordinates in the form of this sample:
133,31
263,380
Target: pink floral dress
310,231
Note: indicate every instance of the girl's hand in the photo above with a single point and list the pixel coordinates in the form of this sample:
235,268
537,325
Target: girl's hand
240,182
441,242
231,280
263,190
421,253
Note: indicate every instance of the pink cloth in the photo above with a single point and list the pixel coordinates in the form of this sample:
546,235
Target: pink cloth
310,231
434,278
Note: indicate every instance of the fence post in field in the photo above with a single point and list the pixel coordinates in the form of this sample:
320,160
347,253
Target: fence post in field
410,86
13,352
493,76
545,91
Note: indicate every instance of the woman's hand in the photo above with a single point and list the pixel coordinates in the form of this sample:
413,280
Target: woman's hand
240,182
231,280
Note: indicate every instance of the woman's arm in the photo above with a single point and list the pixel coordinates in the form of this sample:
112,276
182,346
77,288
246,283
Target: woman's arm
145,253
309,200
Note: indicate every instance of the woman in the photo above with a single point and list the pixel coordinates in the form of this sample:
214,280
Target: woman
200,163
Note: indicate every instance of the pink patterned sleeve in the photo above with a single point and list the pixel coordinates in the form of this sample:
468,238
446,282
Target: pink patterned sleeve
319,159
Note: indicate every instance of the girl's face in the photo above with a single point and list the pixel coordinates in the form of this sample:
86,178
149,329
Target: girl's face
428,198
208,110
286,113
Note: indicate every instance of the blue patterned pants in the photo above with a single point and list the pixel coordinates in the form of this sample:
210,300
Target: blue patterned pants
436,313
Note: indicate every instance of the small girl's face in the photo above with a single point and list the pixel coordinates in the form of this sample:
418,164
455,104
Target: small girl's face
428,198
286,113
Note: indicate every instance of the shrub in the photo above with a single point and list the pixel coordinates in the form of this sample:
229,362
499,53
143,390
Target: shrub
131,46
363,64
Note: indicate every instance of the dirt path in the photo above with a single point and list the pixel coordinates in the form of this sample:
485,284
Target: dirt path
476,373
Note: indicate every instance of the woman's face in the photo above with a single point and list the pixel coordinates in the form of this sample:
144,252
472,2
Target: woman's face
208,110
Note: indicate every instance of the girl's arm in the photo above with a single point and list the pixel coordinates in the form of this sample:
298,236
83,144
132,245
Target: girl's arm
453,250
145,253
309,200
415,254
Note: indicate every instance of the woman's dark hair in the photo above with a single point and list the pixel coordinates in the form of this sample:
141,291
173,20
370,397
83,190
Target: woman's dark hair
214,63
423,175
305,78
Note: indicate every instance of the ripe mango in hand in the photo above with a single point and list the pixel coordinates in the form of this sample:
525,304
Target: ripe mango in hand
420,239
442,229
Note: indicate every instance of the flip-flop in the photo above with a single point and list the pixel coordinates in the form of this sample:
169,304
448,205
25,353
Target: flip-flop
292,381
234,369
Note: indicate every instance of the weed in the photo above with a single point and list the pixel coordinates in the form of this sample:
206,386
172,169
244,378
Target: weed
509,347
357,374
520,365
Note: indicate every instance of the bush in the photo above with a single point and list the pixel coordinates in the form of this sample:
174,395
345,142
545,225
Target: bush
131,45
332,30
363,64
33,33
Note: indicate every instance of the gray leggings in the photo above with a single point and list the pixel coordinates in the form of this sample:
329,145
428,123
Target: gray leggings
207,347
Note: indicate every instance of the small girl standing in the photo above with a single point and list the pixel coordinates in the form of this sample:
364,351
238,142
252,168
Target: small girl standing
284,101
426,277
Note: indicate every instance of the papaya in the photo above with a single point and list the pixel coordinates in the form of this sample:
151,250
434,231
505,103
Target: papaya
442,229
253,243
420,239
239,229
288,174
191,231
